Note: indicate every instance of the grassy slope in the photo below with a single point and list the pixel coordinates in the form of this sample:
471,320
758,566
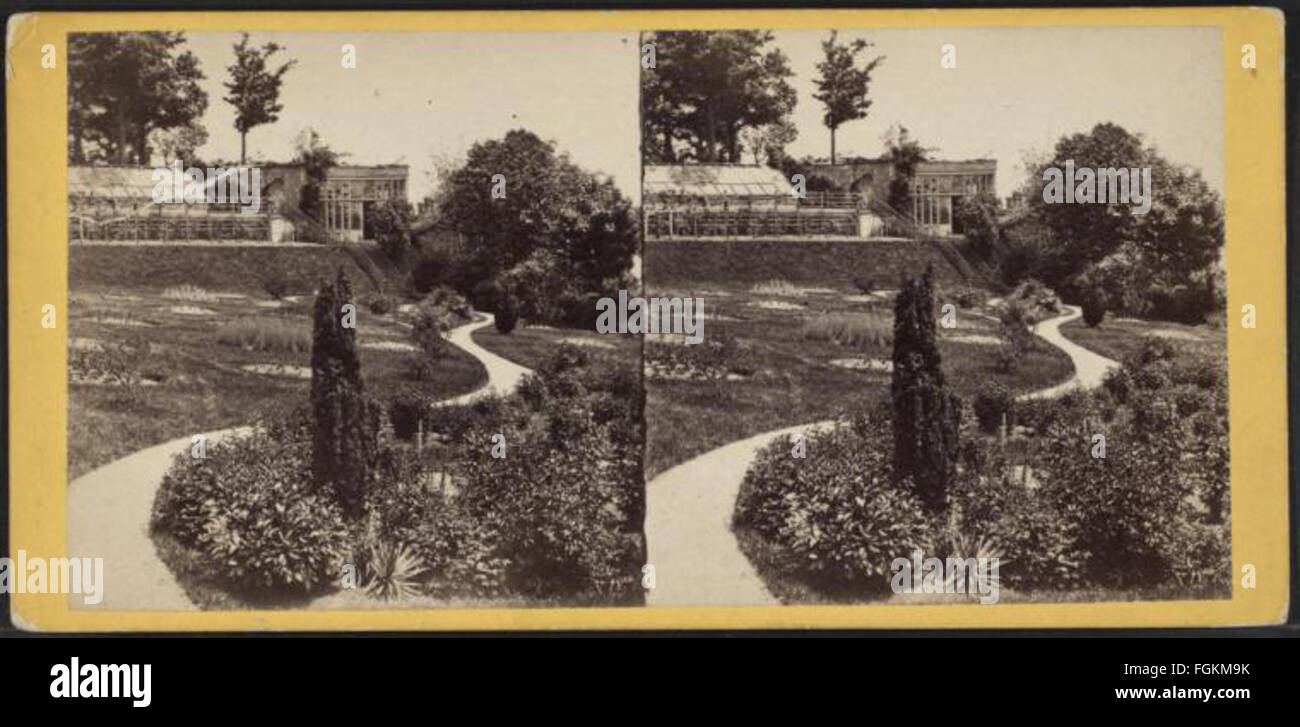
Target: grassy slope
1118,339
808,261
796,384
235,269
532,346
202,387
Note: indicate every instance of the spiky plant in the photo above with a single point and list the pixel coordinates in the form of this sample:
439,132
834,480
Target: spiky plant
393,572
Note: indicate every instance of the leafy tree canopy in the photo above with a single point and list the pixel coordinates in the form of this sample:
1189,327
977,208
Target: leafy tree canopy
548,203
124,86
707,87
842,85
254,89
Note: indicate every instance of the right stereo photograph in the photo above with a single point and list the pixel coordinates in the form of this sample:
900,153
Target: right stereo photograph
939,316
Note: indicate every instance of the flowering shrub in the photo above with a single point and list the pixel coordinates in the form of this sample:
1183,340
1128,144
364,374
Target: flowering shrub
250,510
836,517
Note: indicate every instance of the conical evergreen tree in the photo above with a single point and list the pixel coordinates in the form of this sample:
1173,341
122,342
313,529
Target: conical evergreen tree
345,438
926,416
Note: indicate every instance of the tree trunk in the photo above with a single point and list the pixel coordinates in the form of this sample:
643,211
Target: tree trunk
119,153
832,145
243,147
142,146
711,135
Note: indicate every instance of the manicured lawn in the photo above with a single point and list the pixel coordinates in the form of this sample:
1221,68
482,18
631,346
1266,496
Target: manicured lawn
532,346
198,383
1119,338
785,378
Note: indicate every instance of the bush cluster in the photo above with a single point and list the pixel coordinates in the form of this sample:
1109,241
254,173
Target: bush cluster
1152,514
836,518
250,510
992,401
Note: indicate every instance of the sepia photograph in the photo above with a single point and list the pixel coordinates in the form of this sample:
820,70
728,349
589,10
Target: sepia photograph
335,332
965,304
332,334
624,321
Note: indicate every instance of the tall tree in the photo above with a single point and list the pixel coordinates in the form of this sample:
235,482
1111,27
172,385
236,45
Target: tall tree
254,89
842,85
124,86
346,425
926,415
706,88
1174,243
549,203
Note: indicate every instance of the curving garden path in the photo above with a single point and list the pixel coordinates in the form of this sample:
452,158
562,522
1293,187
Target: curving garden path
109,508
1089,367
689,542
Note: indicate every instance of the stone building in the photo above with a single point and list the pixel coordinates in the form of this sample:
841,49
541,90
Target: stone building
937,187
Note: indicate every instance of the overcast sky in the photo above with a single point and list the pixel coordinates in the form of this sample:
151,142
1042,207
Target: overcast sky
1021,89
416,96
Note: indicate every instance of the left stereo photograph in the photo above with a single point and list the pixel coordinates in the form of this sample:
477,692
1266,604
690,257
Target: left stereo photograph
300,267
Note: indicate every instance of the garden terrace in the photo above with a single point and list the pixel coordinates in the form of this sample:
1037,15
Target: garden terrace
832,263
780,353
151,363
241,269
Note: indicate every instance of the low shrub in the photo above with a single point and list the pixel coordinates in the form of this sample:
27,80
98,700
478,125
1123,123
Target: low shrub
279,333
992,402
1094,310
192,293
564,358
865,285
836,518
276,283
1118,382
449,552
560,514
507,315
405,410
1036,301
380,304
250,510
533,392
1125,510
1034,537
776,287
1151,349
1205,373
967,297
869,328
393,572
